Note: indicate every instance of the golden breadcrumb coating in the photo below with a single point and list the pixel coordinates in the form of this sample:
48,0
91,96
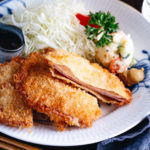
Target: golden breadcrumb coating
64,104
13,110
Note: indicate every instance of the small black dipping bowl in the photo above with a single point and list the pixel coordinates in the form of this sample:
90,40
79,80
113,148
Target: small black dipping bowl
11,42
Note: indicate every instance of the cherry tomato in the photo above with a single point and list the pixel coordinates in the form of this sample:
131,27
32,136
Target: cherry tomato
84,20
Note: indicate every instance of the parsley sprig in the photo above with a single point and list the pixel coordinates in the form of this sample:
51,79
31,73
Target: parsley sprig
107,25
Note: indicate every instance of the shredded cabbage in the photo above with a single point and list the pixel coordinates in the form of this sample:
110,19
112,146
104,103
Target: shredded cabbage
53,23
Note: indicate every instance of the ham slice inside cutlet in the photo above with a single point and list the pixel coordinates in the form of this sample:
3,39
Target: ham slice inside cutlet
91,77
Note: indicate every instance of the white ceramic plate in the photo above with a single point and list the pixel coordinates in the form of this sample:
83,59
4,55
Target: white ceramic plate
113,121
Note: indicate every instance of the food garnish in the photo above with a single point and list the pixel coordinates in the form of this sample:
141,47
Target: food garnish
84,19
99,27
107,25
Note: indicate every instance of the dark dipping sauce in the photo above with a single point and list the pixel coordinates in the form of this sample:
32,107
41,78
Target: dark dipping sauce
9,40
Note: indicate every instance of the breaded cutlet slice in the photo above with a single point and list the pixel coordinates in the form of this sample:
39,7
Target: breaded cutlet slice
13,110
64,104
91,77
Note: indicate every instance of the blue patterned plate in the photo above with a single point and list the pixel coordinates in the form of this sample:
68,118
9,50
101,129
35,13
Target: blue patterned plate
114,121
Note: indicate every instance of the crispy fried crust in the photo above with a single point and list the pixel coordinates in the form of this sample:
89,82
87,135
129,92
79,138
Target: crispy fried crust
7,70
91,77
64,104
13,110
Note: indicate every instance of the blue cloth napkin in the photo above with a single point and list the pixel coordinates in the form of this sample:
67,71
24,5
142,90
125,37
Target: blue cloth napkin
137,138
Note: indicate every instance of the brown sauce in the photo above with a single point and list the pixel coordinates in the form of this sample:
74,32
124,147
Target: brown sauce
9,40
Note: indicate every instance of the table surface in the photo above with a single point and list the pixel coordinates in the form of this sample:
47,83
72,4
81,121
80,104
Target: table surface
136,4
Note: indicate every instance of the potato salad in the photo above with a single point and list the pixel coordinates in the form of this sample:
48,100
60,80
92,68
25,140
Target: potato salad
118,55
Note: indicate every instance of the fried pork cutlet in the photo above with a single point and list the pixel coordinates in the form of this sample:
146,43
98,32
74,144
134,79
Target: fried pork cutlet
91,77
13,110
64,104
